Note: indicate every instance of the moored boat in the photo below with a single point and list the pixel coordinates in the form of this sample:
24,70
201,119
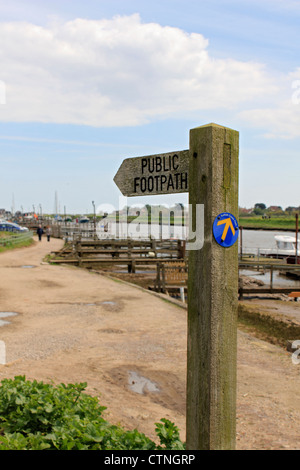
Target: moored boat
285,247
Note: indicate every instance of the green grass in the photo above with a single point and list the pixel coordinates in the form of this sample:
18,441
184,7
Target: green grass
10,245
275,223
6,234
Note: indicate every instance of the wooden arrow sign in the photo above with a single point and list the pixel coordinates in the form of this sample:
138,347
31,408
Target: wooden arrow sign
165,173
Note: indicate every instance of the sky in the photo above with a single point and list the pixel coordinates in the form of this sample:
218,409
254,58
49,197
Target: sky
84,85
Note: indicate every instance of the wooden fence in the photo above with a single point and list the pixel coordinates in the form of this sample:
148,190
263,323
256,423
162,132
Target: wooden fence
263,266
171,276
16,238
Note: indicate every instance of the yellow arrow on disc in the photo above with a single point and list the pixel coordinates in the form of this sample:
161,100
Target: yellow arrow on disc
228,224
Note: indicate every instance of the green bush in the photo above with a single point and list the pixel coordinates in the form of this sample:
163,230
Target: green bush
38,416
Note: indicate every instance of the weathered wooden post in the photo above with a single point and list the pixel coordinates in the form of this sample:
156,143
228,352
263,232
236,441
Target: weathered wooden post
212,293
209,172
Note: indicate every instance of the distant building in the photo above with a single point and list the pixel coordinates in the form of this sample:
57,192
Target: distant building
244,211
292,209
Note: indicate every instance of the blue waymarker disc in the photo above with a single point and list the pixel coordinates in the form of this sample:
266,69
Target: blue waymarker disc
225,229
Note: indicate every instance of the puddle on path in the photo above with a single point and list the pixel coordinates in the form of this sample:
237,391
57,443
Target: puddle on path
23,266
5,315
140,384
108,302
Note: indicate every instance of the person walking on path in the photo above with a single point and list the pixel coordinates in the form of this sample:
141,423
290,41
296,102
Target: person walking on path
48,233
40,232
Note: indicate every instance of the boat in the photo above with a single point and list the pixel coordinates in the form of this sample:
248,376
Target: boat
84,220
285,247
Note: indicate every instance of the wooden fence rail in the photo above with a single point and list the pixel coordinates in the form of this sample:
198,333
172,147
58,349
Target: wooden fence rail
171,277
131,252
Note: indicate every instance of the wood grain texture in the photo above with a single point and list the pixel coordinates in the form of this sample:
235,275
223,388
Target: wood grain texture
212,294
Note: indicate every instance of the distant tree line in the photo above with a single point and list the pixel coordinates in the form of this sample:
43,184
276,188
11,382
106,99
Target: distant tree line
260,209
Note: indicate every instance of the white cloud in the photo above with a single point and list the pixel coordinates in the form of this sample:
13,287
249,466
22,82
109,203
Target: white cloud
282,122
118,72
282,119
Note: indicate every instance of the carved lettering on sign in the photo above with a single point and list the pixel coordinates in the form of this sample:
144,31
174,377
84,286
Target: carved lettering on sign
155,174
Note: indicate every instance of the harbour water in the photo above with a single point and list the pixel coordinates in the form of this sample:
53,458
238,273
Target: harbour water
141,231
254,241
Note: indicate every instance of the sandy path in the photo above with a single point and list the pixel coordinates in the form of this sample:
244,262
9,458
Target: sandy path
76,326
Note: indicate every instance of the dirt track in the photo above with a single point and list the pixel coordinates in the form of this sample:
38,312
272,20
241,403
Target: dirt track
75,326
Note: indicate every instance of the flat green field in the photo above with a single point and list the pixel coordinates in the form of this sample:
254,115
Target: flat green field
275,223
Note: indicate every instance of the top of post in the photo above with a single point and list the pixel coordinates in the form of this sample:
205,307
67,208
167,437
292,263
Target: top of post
213,124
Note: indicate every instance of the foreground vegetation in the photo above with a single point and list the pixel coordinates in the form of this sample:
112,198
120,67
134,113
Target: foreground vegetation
39,416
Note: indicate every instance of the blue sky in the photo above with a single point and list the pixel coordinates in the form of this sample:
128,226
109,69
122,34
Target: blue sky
84,85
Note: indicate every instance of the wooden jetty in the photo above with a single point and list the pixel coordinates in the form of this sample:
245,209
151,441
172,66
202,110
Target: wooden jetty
172,277
267,265
89,253
169,259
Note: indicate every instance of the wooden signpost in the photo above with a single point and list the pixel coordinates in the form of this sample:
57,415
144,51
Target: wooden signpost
155,174
209,172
